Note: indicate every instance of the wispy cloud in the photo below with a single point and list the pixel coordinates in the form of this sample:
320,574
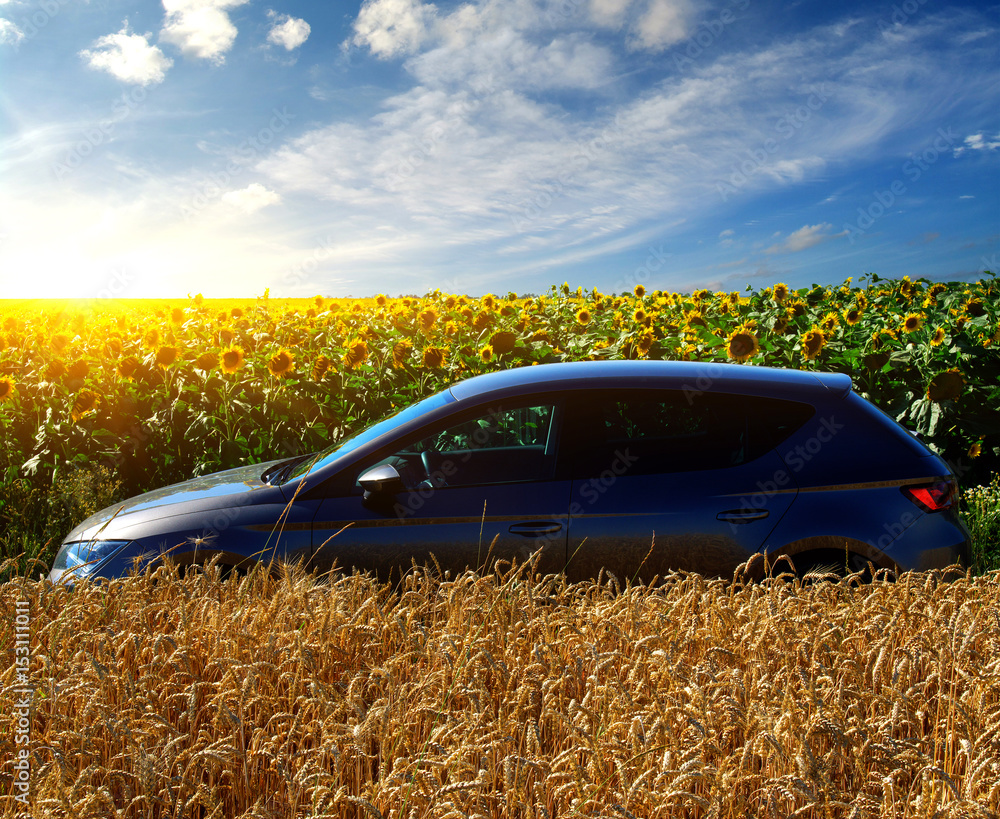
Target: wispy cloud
10,34
251,198
976,142
478,152
804,238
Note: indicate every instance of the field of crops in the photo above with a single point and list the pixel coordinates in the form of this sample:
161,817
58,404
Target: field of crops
160,391
508,696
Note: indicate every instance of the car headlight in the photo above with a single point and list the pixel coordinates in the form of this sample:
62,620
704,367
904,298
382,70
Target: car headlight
82,558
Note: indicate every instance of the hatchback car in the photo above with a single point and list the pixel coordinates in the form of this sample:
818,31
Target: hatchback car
634,467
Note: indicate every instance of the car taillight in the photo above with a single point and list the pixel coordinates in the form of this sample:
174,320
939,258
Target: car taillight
933,497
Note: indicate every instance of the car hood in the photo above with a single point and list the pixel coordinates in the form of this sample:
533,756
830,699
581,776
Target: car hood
216,491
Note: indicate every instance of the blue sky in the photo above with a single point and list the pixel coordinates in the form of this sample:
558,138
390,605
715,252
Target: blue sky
154,149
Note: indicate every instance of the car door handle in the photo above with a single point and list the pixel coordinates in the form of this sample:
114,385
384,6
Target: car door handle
742,515
545,527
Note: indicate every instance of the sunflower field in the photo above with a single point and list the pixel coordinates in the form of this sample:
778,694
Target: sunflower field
149,392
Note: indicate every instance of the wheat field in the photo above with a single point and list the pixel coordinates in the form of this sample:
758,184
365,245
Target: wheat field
506,695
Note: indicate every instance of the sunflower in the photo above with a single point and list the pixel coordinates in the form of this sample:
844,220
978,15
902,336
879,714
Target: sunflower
59,342
861,300
281,363
166,356
502,342
380,300
852,316
946,386
177,315
830,322
913,322
488,302
207,361
780,292
482,321
876,361
401,351
434,357
812,342
236,312
975,449
694,318
780,324
321,366
127,368
151,340
583,317
639,316
639,291
743,344
55,370
231,360
318,301
486,354
78,369
938,337
86,401
426,319
113,345
974,307
199,299
645,343
7,389
798,308
357,353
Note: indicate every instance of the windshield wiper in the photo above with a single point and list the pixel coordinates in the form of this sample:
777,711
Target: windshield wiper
279,472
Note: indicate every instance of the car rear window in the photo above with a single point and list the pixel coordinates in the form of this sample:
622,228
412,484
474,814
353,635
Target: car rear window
673,431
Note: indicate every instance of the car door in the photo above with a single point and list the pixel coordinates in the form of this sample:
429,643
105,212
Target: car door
475,489
665,480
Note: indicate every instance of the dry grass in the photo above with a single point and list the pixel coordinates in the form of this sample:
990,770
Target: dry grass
498,697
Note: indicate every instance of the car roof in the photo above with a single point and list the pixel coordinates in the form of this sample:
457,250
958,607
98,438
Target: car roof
683,375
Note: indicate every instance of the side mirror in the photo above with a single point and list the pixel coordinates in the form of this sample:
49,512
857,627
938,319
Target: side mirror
382,479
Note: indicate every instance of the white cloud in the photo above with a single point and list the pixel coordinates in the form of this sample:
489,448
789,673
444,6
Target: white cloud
290,32
251,198
128,57
727,232
393,27
9,32
976,142
663,23
804,238
609,13
201,28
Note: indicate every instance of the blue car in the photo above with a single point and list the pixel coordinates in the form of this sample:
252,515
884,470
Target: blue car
634,467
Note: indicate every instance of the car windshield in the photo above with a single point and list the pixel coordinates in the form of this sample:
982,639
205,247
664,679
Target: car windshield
387,424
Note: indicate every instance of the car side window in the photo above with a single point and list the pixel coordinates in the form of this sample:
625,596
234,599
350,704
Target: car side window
660,431
501,445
